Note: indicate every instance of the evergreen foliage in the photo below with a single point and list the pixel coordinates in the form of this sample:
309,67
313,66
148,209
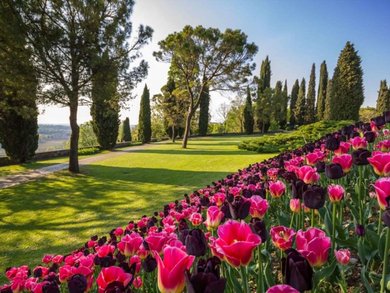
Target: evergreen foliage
277,103
248,113
126,130
293,101
329,113
300,106
321,95
204,111
284,105
383,101
310,112
263,101
144,122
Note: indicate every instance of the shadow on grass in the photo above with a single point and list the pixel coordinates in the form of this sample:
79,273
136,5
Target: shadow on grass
190,151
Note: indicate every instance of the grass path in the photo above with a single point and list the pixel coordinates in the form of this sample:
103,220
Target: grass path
59,213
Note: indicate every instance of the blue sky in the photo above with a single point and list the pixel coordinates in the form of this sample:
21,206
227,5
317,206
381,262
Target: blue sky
293,33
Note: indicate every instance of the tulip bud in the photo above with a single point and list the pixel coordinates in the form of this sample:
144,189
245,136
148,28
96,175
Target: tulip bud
359,230
386,217
295,205
297,271
195,243
332,143
314,197
343,256
336,193
334,171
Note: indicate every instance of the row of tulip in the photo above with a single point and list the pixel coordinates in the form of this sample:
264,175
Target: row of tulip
316,218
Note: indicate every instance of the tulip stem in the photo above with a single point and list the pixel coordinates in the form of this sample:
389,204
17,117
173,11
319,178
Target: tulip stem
312,217
260,283
334,225
385,261
292,219
244,280
380,222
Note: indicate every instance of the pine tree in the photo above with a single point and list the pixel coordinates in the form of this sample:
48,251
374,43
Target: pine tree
347,88
329,113
204,112
126,130
262,101
383,101
248,113
300,107
311,97
321,96
144,122
293,101
284,105
18,90
105,102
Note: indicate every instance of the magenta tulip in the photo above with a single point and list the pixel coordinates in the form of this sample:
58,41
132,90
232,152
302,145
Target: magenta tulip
282,237
214,217
130,244
276,188
345,161
343,256
358,143
295,205
113,278
336,193
343,148
381,163
282,289
314,245
382,190
259,206
308,174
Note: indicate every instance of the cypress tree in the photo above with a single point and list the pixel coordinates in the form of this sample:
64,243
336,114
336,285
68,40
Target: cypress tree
248,113
18,90
204,111
105,103
347,88
126,136
300,107
144,122
321,96
329,104
263,100
293,101
311,97
383,101
283,109
277,103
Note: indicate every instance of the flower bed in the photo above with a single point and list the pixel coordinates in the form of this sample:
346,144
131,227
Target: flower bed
316,218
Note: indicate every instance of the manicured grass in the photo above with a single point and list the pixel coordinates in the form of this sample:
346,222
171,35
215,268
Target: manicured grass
59,213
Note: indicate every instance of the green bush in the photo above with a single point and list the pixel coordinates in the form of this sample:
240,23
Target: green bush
89,151
288,141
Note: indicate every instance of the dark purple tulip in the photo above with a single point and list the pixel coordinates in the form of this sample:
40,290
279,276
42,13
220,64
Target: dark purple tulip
386,114
320,166
359,230
258,227
359,157
379,121
332,143
115,287
314,197
206,283
50,287
149,264
347,130
196,243
297,271
386,218
5,289
370,136
334,171
298,188
77,284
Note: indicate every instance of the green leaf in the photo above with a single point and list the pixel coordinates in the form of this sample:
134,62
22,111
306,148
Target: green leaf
366,283
324,273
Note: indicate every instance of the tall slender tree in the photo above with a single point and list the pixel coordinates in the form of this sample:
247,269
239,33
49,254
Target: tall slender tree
383,101
126,131
321,95
277,103
63,40
284,105
18,89
248,113
300,107
329,113
347,88
144,120
262,101
310,112
204,111
293,101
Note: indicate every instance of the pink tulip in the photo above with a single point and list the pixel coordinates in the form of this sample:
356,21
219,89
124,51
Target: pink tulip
236,242
295,205
282,237
314,158
314,245
105,250
214,217
259,206
137,282
383,145
130,244
343,256
58,259
336,193
272,173
157,240
308,174
343,148
47,258
118,232
282,289
219,198
277,188
382,190
112,275
196,219
345,161
171,270
358,143
381,163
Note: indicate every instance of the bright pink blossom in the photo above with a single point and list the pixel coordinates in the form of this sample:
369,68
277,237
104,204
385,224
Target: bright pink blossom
381,163
383,145
295,205
130,244
196,219
382,190
282,237
277,188
314,157
335,192
314,245
345,161
259,206
358,142
308,174
343,256
214,217
282,289
219,198
110,275
343,148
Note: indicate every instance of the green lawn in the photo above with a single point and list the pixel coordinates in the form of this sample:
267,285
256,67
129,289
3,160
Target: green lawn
59,213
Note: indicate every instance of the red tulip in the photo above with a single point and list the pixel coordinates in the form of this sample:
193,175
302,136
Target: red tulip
343,148
382,190
308,174
381,163
314,245
171,270
335,192
259,206
282,237
130,244
236,242
345,161
196,219
282,289
115,276
343,256
277,188
358,143
214,217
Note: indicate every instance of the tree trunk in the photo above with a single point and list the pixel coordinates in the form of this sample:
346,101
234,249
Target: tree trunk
187,128
74,140
173,134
